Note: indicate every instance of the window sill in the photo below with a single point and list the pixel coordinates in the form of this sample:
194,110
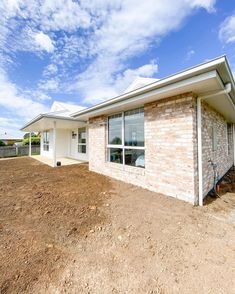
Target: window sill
127,168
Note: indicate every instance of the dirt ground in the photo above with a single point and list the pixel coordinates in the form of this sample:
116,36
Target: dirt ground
68,230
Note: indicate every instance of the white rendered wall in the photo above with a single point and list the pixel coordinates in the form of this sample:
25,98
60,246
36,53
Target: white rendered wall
62,144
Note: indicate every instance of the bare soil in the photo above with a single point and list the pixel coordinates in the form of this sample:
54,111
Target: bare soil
69,230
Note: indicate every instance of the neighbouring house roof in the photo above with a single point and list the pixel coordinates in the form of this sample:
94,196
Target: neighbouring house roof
210,76
8,137
60,112
64,109
139,82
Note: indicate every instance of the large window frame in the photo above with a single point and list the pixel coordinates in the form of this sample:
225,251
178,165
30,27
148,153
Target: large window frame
82,145
122,146
46,140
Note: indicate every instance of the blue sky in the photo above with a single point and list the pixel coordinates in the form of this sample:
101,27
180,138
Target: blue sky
86,51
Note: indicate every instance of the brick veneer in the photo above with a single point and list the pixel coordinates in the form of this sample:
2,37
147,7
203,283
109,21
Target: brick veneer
223,159
170,148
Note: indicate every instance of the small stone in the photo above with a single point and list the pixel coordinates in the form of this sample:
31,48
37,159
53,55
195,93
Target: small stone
38,195
50,245
57,258
92,231
92,207
70,232
47,212
120,238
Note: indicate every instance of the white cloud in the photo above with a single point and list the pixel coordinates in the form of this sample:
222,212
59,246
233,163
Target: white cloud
49,85
209,5
128,76
44,42
125,32
6,122
63,15
99,36
97,87
50,70
15,102
189,54
227,30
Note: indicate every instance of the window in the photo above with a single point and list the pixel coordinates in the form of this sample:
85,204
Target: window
82,140
46,140
115,129
126,138
134,127
229,138
116,155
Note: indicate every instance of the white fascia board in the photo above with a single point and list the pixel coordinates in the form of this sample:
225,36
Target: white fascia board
41,116
143,98
196,70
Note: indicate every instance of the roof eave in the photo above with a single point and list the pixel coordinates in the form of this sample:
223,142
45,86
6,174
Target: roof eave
41,116
204,67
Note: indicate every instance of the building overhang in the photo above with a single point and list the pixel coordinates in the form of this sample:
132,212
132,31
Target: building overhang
198,84
46,122
209,76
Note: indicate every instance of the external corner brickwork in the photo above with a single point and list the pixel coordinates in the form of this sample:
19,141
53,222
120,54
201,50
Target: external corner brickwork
169,149
220,156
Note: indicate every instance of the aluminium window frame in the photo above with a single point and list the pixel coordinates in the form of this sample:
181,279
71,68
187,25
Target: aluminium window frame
46,143
82,144
121,146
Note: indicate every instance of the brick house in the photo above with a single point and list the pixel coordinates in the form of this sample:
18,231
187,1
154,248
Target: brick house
160,134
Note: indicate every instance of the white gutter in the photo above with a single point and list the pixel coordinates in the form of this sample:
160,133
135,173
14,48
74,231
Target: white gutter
178,77
226,91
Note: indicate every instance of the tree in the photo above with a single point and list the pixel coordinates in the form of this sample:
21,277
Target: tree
2,143
34,141
26,135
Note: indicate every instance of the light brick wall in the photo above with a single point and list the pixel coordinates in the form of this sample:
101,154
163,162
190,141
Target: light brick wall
169,141
224,161
169,149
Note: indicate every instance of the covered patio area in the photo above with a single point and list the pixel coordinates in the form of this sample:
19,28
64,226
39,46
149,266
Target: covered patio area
63,139
62,160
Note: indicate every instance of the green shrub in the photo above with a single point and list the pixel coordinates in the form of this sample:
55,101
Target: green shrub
2,143
34,141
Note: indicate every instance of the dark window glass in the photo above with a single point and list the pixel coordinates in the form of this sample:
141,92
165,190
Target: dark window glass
46,147
82,148
134,127
115,155
46,137
46,141
134,157
115,129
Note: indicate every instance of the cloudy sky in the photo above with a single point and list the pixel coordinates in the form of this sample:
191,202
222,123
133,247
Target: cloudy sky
87,51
